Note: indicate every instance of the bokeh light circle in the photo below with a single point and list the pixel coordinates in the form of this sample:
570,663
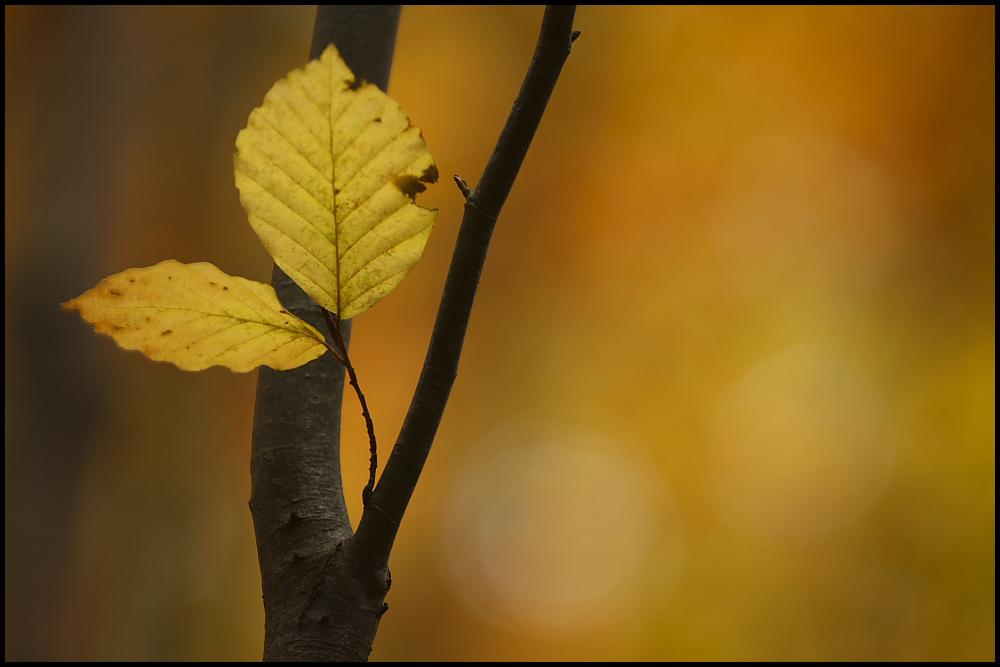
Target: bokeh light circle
803,445
557,530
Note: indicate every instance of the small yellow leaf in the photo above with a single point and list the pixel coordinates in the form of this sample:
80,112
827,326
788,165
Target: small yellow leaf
196,316
328,175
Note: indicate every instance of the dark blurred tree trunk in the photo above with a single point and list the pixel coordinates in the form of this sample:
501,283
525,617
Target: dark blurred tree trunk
50,421
324,587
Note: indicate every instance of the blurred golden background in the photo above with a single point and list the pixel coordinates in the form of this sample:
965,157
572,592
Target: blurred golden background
729,387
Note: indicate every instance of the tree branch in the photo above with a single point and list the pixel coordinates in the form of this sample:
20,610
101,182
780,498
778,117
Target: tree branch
318,604
324,589
383,514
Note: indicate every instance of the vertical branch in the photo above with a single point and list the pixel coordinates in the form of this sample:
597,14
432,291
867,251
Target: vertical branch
297,499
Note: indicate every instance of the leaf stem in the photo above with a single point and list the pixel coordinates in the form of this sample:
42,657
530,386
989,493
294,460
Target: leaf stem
333,322
335,353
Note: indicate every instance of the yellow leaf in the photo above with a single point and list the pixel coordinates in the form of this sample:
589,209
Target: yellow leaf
196,316
328,175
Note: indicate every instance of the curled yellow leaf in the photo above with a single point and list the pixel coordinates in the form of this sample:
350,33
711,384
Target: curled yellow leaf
328,174
196,316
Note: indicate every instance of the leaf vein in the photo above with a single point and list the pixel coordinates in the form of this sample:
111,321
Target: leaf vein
295,150
384,253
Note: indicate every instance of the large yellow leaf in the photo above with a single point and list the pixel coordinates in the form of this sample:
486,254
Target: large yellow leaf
196,316
328,175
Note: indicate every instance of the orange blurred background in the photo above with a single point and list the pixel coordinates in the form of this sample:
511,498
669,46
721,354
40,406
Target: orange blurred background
729,386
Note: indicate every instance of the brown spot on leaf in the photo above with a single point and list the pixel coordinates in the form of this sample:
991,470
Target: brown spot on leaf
167,332
225,289
114,293
378,119
409,185
430,174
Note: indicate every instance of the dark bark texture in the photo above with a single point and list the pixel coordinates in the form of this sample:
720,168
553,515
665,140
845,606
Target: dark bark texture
318,603
324,587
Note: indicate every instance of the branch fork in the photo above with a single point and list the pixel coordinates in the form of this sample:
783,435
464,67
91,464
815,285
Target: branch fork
295,464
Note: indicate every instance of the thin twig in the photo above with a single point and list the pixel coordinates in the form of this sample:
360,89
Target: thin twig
333,323
336,354
380,519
